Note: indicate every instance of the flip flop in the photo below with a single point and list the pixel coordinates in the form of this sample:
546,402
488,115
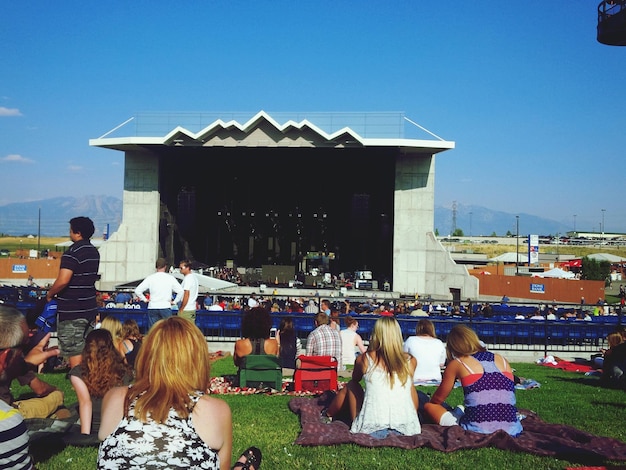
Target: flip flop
253,459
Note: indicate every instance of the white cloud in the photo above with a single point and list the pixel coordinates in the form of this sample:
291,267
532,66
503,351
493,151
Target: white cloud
14,158
9,111
74,168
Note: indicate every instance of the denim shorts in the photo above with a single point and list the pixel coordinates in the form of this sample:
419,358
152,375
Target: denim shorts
383,433
71,336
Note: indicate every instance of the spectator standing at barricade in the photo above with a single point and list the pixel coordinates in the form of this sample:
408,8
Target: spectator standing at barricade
252,301
311,307
325,307
324,340
162,286
75,290
190,292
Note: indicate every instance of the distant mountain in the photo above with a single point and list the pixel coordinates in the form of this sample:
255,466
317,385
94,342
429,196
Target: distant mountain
477,221
53,215
22,218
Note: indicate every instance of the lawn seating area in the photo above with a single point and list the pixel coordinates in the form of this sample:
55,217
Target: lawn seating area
266,421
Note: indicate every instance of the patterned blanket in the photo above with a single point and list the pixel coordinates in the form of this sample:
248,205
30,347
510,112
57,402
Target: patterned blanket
538,437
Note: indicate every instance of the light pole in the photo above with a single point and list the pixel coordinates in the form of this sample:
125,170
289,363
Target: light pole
603,211
574,223
558,240
517,245
470,214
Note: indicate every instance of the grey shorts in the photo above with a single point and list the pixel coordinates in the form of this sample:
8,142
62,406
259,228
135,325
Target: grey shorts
71,335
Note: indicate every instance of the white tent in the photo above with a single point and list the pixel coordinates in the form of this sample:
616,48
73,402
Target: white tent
607,257
209,283
557,273
205,283
97,242
510,258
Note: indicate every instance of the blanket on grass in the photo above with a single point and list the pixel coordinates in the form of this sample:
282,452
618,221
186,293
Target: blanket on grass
538,437
558,363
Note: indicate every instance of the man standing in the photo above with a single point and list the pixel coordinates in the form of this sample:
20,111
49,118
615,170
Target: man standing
75,290
311,307
324,340
190,292
161,286
325,306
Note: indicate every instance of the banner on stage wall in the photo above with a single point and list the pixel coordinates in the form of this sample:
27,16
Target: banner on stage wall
533,249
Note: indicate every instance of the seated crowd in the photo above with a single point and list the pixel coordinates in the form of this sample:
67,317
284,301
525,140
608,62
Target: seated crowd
129,385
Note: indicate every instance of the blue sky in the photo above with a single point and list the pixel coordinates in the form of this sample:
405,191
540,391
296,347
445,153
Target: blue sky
534,103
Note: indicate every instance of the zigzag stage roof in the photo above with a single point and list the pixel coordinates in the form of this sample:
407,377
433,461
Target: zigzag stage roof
264,131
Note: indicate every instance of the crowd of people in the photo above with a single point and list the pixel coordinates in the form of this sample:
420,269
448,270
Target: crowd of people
145,398
125,384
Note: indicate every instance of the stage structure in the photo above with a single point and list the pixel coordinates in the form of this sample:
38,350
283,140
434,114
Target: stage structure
345,190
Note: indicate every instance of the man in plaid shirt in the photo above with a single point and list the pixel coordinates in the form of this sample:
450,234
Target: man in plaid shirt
324,340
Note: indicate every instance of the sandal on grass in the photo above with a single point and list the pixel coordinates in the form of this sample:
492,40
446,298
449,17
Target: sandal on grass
252,461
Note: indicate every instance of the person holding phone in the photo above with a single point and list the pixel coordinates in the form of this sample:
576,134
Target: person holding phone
14,366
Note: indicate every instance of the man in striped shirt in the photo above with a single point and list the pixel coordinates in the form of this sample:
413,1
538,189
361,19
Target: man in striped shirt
75,290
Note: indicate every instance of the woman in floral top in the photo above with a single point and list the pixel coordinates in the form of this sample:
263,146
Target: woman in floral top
165,420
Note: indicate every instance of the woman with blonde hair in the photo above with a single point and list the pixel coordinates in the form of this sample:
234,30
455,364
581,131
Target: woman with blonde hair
389,403
428,350
114,326
488,386
166,418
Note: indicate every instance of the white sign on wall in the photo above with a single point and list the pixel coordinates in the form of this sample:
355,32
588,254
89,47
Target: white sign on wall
533,249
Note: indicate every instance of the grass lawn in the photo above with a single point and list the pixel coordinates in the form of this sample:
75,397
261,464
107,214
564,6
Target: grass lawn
266,421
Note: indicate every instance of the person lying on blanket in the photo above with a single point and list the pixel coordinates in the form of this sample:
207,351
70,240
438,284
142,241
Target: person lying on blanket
488,385
389,403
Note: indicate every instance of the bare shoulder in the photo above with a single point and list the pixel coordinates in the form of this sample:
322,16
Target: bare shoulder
502,363
214,407
115,395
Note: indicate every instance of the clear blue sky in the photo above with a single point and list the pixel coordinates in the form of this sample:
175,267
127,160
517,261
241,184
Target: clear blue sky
535,104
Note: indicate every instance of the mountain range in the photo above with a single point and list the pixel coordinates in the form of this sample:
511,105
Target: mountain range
50,217
481,221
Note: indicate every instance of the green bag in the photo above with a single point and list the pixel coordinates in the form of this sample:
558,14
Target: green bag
261,371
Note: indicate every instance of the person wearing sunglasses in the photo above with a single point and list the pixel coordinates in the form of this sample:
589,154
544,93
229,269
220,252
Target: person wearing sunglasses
13,359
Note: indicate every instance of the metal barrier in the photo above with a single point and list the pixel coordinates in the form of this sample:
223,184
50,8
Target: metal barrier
516,335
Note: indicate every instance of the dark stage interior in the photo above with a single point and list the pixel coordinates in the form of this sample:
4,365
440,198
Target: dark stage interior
275,205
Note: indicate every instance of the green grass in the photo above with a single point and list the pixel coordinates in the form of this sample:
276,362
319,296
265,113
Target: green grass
266,421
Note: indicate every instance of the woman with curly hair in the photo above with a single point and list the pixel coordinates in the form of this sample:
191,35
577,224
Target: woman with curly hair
101,369
167,419
255,329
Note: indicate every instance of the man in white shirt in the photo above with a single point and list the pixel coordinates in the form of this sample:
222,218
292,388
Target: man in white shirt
162,286
252,301
190,292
